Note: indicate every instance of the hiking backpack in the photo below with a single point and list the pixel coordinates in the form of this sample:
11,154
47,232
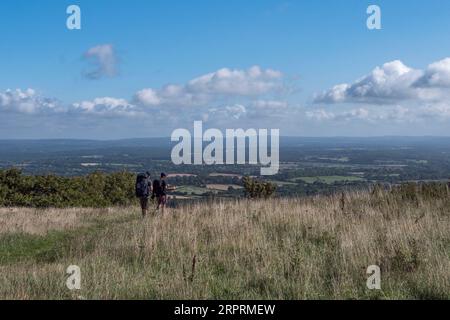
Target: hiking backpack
142,189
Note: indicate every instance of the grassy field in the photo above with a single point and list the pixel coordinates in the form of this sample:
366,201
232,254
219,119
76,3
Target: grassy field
329,179
314,248
222,187
192,190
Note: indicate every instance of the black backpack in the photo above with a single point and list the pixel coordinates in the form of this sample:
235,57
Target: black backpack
142,189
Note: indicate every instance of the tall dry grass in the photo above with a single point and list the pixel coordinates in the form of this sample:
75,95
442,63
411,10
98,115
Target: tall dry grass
314,248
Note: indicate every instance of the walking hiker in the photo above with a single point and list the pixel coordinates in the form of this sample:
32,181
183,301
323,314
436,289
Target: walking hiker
160,188
143,189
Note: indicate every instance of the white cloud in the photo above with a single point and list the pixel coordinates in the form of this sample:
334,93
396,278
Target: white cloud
235,112
439,112
320,115
221,84
148,97
391,83
254,81
392,92
104,61
170,96
387,84
105,106
437,75
390,114
27,101
352,115
270,105
223,95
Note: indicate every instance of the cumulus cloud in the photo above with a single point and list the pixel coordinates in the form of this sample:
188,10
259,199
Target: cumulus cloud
254,81
28,102
437,75
103,61
387,84
357,114
389,114
391,83
226,94
393,92
170,96
236,112
223,83
270,105
440,111
106,106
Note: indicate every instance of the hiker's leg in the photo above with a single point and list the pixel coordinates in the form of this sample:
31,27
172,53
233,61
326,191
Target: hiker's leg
144,205
163,203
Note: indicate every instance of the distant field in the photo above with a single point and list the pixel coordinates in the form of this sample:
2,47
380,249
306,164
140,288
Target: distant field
313,248
329,179
232,175
222,187
181,175
282,183
342,159
192,190
181,197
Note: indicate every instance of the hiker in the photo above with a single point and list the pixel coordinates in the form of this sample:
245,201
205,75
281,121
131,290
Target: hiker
160,187
143,189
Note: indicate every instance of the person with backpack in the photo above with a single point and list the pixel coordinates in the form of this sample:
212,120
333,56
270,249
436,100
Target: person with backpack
160,188
143,190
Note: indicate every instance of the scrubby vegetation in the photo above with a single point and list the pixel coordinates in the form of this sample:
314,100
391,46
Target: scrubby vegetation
255,189
93,190
278,248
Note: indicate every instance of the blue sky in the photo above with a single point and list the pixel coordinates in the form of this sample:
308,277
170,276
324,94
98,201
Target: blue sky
131,70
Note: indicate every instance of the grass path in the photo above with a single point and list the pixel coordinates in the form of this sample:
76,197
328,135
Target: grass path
52,246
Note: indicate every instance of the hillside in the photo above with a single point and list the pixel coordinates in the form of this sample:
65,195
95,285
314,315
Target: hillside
303,248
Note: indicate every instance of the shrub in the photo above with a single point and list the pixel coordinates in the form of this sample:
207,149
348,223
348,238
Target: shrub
258,189
94,190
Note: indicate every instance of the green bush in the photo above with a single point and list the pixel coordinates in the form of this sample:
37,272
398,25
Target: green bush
257,189
93,190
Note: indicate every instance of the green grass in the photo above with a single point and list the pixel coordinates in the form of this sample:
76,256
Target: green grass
328,179
282,183
19,247
52,246
192,190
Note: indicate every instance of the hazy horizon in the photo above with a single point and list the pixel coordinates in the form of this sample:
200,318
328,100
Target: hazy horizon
286,136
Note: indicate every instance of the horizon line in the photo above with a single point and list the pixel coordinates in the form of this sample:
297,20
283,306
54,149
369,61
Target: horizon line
168,137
